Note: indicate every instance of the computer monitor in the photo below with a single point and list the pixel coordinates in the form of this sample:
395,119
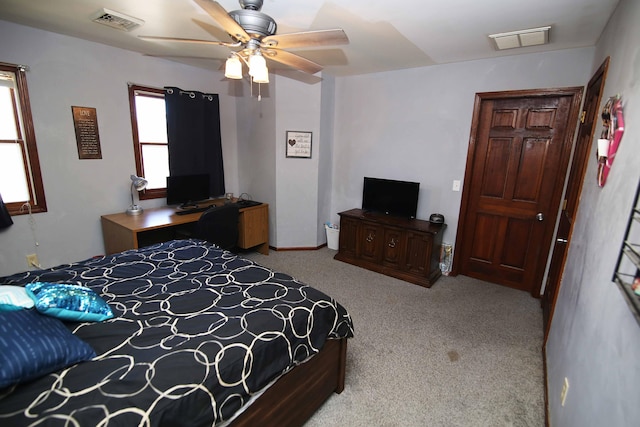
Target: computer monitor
186,190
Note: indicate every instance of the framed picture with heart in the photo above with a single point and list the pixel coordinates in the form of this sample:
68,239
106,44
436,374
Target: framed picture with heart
298,144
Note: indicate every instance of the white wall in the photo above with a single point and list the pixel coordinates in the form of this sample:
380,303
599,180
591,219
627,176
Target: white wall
256,147
295,188
594,339
65,72
414,125
325,155
298,107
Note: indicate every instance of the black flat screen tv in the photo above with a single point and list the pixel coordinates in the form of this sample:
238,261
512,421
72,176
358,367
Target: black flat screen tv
186,190
390,197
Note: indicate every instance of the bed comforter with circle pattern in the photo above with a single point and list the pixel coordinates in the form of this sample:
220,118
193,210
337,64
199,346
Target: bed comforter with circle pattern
196,332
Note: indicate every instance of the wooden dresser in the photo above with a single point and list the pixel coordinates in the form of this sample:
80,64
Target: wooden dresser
407,249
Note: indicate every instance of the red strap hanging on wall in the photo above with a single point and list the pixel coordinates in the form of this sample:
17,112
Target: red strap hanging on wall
613,122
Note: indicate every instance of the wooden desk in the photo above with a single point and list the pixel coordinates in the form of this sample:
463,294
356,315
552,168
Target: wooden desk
121,231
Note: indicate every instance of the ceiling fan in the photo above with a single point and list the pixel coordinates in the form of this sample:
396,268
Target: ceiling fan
254,38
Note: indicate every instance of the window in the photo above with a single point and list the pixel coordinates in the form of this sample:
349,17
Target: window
149,124
20,179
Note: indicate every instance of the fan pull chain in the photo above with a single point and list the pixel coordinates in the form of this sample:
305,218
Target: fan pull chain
259,89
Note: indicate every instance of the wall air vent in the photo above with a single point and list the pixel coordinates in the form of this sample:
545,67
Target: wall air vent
117,20
521,38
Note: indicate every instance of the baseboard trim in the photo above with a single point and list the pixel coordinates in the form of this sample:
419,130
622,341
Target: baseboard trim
301,248
546,386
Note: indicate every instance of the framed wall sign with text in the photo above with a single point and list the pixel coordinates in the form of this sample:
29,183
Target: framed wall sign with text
85,122
298,144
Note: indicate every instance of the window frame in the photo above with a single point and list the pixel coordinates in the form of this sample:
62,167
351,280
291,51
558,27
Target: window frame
154,193
28,146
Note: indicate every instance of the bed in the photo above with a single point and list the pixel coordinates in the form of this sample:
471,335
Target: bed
199,337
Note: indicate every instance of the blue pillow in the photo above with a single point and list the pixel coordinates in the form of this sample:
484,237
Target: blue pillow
33,345
69,302
14,298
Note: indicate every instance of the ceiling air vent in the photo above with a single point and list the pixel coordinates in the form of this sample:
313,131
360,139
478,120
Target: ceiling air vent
117,20
521,38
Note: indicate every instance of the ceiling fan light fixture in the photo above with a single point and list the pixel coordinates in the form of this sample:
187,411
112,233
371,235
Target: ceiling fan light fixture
233,68
257,65
262,76
254,36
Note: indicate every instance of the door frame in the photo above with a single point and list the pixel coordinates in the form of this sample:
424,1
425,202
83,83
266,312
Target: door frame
576,94
575,181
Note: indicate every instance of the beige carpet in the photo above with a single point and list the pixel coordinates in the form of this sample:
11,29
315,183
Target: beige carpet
462,353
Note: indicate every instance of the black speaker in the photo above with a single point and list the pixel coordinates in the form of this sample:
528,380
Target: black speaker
436,218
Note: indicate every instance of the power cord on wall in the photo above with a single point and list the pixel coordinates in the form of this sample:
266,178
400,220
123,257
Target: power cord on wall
33,258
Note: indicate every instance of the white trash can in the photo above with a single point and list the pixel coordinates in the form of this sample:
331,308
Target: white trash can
333,236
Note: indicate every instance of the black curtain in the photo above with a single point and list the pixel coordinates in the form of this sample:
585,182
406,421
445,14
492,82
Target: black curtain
5,218
193,132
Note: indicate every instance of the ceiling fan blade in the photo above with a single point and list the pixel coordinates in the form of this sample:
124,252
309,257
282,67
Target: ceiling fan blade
292,60
178,39
220,15
182,56
306,39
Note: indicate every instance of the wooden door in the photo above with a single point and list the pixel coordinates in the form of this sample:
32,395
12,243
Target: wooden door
589,118
516,165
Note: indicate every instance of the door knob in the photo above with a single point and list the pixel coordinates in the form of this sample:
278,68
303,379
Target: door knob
540,216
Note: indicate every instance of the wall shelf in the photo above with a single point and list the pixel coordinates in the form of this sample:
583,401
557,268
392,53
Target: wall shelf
628,265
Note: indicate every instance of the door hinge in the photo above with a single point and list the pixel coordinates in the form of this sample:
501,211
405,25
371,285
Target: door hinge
583,115
564,205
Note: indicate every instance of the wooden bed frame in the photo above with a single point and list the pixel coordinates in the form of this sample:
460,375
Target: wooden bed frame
294,398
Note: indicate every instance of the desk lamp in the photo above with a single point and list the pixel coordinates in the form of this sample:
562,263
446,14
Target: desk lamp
137,184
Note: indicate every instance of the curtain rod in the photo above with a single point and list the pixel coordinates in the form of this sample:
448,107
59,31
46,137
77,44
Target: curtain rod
150,87
192,94
19,66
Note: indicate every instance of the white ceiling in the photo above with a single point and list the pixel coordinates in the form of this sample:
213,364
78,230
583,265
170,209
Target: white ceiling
384,35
